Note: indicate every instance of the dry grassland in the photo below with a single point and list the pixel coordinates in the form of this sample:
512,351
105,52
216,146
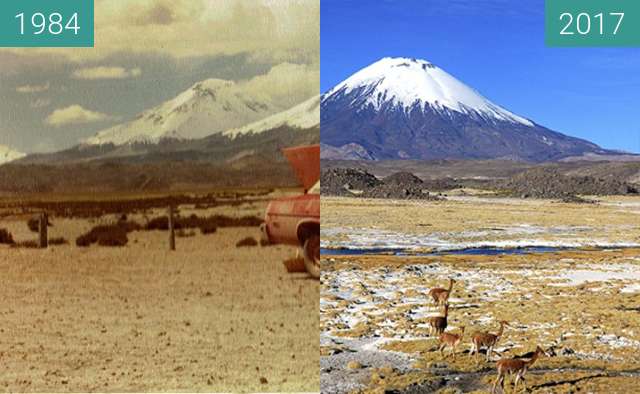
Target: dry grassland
208,317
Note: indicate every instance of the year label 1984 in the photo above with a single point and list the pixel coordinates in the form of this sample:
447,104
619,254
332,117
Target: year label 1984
46,23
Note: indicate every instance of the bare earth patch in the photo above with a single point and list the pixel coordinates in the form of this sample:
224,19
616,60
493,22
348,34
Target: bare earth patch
208,317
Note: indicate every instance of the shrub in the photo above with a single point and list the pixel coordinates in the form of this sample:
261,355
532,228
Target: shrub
249,241
108,235
207,225
58,241
159,223
115,236
84,241
245,221
129,226
208,228
32,244
6,237
26,245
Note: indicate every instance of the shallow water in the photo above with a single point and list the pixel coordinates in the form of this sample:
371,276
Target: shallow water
488,251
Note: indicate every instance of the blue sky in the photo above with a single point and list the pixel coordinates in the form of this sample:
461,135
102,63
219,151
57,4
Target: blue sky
496,47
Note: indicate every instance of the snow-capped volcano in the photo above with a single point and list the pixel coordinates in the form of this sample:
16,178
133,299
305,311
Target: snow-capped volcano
401,108
7,154
208,107
192,127
302,116
410,82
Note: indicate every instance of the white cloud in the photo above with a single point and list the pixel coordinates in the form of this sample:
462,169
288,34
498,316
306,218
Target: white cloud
74,114
106,73
33,88
187,28
288,84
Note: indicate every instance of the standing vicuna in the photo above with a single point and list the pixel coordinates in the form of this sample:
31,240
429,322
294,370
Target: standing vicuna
441,296
486,340
515,366
448,339
437,324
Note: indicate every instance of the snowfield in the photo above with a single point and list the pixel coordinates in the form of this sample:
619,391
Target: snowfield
209,107
302,116
405,82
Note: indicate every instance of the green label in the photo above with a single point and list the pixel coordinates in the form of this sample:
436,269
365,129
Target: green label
592,23
46,23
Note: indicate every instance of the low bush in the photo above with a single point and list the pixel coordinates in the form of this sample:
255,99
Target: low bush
6,237
207,225
32,244
58,241
108,235
115,236
208,228
26,245
249,241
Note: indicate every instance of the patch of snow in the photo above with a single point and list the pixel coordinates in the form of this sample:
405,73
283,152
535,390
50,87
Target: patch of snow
371,239
302,116
8,155
632,288
598,274
617,342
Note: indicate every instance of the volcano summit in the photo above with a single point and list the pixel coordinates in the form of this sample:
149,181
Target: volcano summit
401,108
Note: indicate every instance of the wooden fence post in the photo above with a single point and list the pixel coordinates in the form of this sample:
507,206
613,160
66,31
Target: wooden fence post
44,222
172,233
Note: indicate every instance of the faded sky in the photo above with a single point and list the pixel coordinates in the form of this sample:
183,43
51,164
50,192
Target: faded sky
148,51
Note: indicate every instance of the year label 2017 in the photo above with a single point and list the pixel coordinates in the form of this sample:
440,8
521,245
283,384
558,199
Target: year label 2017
592,23
582,23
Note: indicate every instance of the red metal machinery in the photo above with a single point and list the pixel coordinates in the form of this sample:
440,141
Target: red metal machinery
296,220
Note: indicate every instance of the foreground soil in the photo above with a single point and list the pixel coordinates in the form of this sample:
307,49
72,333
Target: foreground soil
581,305
208,317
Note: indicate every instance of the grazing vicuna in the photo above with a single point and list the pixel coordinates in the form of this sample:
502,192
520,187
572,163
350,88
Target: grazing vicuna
448,339
437,324
517,367
486,340
439,295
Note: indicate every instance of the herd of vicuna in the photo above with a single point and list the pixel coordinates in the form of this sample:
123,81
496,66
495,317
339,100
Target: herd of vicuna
514,367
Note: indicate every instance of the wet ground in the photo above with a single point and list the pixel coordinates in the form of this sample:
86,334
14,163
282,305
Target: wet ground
581,305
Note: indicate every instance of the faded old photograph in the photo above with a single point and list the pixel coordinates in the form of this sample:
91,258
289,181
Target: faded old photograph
159,202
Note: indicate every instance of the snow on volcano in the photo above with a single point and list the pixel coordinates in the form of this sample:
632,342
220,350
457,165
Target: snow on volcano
303,116
208,107
408,82
7,154
402,108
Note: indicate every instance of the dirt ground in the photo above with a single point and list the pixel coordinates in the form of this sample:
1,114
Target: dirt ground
581,304
208,317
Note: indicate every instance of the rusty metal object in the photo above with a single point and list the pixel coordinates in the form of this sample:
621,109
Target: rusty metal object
296,220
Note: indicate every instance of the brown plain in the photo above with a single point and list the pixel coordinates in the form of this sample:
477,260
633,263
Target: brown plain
208,317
